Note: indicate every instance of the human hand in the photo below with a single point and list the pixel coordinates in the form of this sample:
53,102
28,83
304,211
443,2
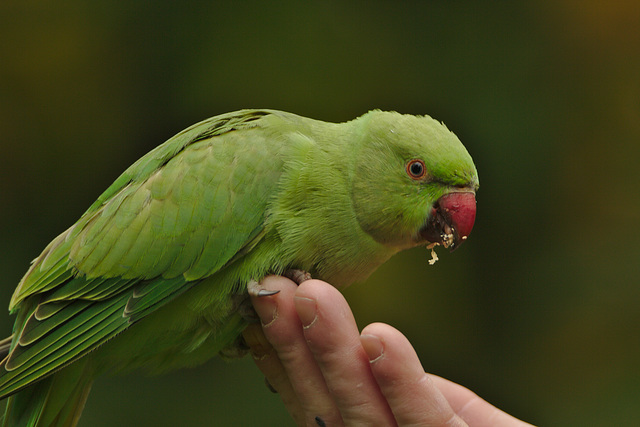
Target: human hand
329,374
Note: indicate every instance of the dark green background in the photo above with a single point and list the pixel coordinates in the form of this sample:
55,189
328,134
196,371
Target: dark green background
537,312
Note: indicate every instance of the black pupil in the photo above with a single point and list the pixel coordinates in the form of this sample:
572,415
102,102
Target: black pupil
416,169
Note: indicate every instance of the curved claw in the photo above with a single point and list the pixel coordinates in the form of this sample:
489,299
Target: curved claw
255,290
266,293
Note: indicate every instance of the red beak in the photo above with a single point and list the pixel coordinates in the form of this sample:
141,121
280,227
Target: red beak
451,219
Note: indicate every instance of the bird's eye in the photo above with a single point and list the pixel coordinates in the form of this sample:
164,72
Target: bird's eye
416,169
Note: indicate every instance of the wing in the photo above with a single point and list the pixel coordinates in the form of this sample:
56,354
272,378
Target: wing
176,216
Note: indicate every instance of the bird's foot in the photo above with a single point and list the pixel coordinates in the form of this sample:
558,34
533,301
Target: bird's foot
243,301
255,290
297,276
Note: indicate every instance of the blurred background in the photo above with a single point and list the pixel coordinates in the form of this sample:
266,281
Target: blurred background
537,312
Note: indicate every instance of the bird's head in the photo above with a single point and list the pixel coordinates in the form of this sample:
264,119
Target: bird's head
413,183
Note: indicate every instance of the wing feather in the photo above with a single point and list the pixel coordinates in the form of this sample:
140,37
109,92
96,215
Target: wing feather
163,225
34,365
35,328
64,336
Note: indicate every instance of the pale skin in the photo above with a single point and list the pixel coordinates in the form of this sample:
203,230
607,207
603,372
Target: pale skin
329,374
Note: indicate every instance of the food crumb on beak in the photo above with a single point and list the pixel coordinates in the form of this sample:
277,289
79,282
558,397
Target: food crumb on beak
447,238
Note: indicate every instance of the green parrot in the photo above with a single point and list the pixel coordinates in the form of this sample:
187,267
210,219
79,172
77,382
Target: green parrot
154,274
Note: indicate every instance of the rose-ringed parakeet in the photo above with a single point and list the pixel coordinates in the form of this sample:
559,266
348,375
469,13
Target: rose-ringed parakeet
154,273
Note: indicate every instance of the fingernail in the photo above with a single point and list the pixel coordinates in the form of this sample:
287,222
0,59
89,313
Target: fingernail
307,311
373,347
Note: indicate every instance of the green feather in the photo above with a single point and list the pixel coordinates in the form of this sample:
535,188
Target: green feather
151,274
44,320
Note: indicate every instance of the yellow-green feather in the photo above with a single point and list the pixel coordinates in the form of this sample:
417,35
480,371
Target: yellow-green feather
164,254
130,252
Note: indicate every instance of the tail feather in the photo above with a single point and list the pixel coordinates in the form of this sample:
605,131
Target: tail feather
56,401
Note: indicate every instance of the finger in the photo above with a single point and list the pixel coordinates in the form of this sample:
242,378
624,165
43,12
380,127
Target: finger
305,384
263,353
332,335
473,409
411,394
266,359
